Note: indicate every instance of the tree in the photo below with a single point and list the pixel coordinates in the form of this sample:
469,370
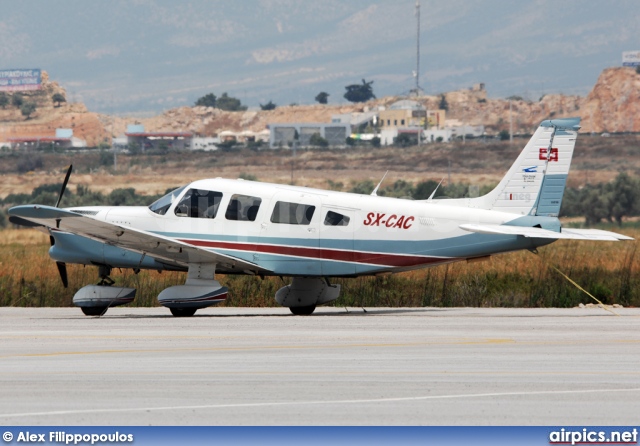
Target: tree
359,92
122,197
4,100
424,189
58,98
322,97
595,207
444,105
375,141
318,141
227,146
403,140
638,69
163,146
364,188
504,135
208,100
27,109
17,100
625,197
268,106
134,148
400,188
229,103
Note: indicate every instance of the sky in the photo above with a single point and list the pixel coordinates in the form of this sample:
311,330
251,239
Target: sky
146,56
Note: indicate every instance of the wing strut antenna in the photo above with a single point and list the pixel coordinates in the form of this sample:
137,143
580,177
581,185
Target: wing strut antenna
434,191
375,191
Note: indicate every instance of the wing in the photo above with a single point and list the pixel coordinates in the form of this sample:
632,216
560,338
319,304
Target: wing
132,239
571,234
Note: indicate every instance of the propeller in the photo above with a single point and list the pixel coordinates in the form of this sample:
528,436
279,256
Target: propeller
62,267
64,185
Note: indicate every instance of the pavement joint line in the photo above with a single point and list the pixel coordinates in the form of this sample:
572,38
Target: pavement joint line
318,347
316,402
265,347
323,373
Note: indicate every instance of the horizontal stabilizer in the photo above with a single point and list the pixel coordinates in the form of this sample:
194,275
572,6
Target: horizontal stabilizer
593,234
571,234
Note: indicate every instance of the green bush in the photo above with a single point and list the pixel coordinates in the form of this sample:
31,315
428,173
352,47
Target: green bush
318,141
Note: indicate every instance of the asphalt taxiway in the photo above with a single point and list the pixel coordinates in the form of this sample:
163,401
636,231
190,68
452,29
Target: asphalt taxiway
388,366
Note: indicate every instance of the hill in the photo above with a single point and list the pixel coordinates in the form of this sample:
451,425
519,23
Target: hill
611,106
48,116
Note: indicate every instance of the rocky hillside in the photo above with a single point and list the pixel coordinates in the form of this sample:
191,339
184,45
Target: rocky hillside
611,106
48,117
614,103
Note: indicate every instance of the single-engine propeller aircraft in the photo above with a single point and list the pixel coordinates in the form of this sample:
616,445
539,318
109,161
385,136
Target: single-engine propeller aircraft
245,227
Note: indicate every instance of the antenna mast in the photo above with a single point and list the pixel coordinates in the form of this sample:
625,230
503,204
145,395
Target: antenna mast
417,90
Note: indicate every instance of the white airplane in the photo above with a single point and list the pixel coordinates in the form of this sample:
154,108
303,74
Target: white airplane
245,227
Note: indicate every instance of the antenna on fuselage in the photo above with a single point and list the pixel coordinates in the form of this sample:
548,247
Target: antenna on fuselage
434,191
375,191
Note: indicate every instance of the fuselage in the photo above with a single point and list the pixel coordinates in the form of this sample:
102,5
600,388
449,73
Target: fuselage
299,231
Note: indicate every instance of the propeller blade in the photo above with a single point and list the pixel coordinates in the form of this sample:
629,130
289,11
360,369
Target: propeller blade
62,269
64,185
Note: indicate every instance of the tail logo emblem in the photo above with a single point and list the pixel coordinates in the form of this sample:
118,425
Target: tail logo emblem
552,157
532,169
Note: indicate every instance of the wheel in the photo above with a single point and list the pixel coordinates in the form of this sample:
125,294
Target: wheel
183,312
303,311
94,311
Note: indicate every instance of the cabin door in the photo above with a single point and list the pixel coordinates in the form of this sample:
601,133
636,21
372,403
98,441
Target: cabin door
336,241
290,235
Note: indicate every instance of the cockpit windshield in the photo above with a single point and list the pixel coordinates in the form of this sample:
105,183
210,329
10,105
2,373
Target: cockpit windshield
162,205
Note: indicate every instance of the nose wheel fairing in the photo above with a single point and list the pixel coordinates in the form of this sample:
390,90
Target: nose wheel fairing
94,300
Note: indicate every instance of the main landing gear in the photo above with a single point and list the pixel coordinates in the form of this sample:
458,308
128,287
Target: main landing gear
305,293
201,290
303,311
183,312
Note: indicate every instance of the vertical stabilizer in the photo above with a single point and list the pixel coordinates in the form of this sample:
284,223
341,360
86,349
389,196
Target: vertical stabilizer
535,182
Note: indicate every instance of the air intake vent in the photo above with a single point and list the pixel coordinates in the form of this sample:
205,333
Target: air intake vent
83,212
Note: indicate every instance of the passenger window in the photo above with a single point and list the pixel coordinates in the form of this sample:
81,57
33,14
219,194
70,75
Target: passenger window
243,208
292,213
335,219
198,203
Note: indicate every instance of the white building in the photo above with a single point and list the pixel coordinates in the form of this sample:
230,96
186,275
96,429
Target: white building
206,143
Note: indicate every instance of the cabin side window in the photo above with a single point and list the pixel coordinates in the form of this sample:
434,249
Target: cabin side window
243,208
198,203
336,219
292,213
